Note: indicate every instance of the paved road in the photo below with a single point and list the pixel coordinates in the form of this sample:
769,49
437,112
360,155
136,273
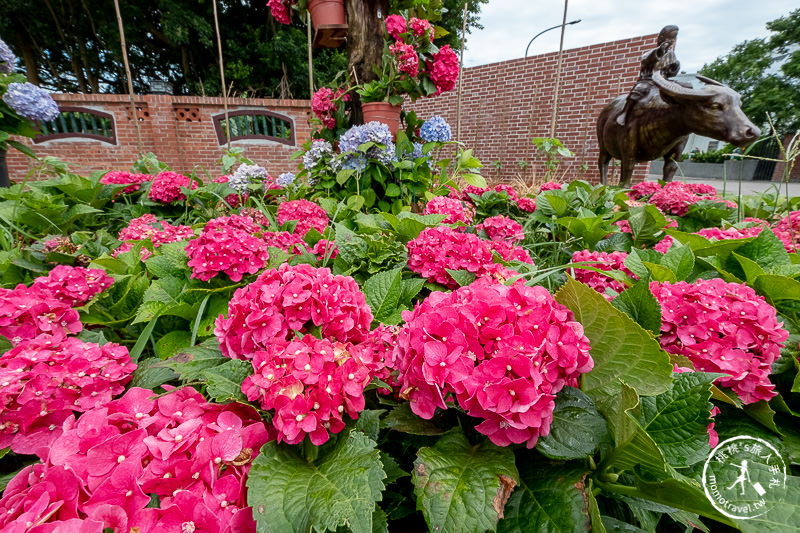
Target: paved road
748,187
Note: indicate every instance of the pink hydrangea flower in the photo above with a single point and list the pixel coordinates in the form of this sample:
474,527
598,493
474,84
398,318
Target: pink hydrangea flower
26,312
376,352
323,105
166,187
602,261
527,204
281,10
444,69
550,186
325,249
105,468
719,234
788,231
664,244
292,298
676,197
510,252
126,178
395,25
440,248
46,378
232,245
288,242
309,383
722,327
421,27
406,58
500,353
149,227
455,210
73,285
645,188
501,228
307,214
508,189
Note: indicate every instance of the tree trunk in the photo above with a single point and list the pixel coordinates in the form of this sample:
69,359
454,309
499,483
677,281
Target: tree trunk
4,181
365,34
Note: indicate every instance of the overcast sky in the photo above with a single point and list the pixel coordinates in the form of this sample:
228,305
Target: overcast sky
708,28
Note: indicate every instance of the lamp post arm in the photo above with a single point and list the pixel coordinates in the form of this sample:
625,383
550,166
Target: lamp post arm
543,31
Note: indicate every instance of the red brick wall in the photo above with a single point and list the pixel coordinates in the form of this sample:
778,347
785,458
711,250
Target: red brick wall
506,104
183,142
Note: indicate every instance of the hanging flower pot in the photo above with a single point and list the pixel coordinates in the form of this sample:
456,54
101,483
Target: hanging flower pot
382,112
326,12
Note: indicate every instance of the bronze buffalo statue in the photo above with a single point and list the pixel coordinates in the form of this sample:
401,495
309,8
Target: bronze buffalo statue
659,124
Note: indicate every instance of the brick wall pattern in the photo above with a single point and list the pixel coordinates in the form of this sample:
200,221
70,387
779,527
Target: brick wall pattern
178,129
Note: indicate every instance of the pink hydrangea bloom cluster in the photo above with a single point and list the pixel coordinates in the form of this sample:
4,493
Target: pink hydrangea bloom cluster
46,378
722,327
606,261
788,231
25,313
501,228
288,242
550,186
527,204
281,10
73,285
676,197
719,234
406,58
524,203
456,210
148,226
444,69
232,245
324,106
664,244
645,188
395,26
509,251
126,178
289,299
309,383
421,27
440,248
233,199
307,214
501,353
508,189
103,469
325,249
376,353
166,187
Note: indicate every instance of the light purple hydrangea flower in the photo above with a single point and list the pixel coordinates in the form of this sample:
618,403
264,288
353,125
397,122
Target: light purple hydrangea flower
318,150
286,179
7,58
31,102
376,132
246,174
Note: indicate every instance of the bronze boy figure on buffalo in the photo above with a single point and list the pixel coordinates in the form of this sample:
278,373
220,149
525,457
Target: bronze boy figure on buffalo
657,120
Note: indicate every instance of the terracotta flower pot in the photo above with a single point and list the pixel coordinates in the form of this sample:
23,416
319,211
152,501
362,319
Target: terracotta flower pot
383,112
326,12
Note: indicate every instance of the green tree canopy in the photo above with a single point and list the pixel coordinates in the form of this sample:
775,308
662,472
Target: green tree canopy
74,46
766,72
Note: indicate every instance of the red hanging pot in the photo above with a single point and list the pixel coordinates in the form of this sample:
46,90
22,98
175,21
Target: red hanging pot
326,12
382,112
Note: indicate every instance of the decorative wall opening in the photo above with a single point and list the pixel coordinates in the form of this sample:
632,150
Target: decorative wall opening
255,124
79,122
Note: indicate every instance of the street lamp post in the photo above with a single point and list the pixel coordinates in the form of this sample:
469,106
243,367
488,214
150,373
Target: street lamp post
548,29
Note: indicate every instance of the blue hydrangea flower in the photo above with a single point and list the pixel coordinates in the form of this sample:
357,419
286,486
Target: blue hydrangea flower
7,58
31,102
354,162
435,129
417,152
245,175
318,150
286,179
376,132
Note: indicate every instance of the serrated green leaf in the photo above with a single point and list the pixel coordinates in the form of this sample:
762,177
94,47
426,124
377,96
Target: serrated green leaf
621,349
659,272
680,260
462,277
290,495
151,373
639,303
383,292
170,343
411,288
766,250
577,429
369,422
678,419
224,382
549,498
646,222
402,419
462,488
750,268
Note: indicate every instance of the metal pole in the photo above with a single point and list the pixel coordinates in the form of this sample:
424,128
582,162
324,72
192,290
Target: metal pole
548,29
461,71
558,73
222,77
310,59
134,114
